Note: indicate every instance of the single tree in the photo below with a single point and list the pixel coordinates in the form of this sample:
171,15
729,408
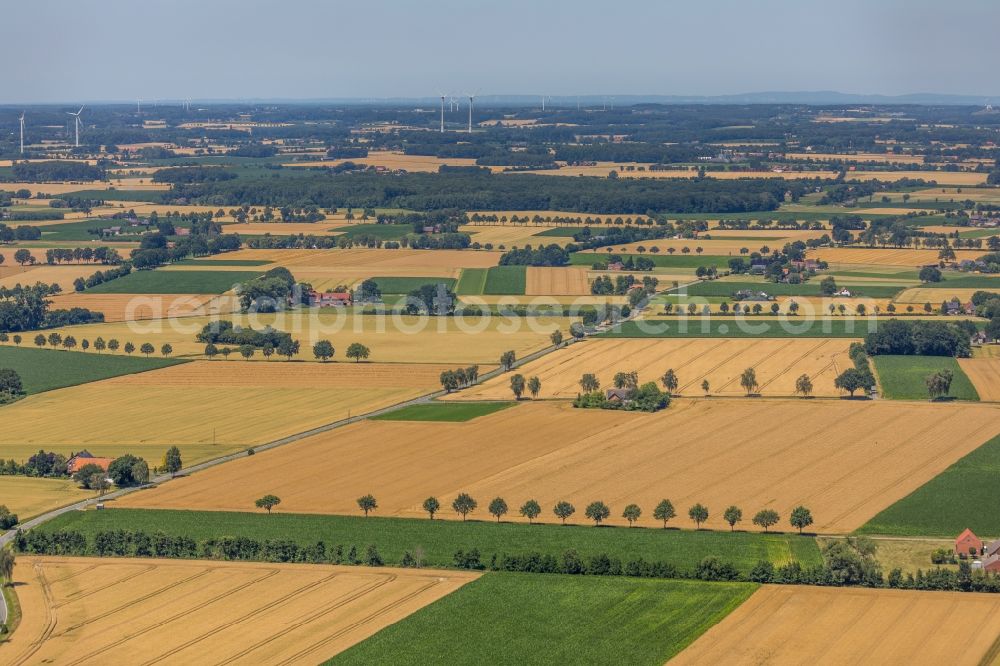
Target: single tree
267,350
699,514
211,351
99,344
17,340
69,342
563,510
288,348
172,461
589,383
464,504
804,386
7,563
556,338
498,508
268,502
705,386
146,349
40,340
531,510
517,385
664,511
801,518
851,380
766,518
597,511
507,360
323,350
631,513
939,383
669,380
367,503
748,380
357,351
431,506
733,515
247,351
129,347
166,349
534,386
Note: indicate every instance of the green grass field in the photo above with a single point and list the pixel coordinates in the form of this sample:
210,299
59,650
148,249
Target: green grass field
984,282
752,327
518,619
891,273
76,231
964,495
903,377
174,282
472,282
380,231
444,411
48,369
506,280
441,538
726,288
660,260
404,285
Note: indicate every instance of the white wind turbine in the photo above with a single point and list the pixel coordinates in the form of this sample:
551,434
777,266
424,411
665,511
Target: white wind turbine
442,112
76,122
472,100
22,132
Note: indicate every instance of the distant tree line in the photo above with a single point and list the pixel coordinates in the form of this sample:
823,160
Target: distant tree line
52,170
924,338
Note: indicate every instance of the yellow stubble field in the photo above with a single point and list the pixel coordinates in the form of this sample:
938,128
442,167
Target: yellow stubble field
844,460
886,256
132,307
510,235
207,408
394,160
396,338
935,295
12,274
777,362
984,372
27,496
196,611
942,177
799,624
566,281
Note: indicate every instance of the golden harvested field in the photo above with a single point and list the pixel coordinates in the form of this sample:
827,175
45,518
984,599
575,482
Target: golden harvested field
59,188
393,160
322,228
206,612
815,625
985,375
132,307
934,296
28,497
844,460
778,363
985,195
886,256
396,338
768,235
11,275
557,282
884,158
942,177
541,301
207,408
374,259
510,235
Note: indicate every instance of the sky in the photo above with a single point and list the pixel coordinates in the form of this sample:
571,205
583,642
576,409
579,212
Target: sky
94,50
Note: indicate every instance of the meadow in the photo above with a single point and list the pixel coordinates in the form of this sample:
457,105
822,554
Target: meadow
845,460
659,260
800,624
48,369
174,282
504,280
812,288
28,497
440,539
207,612
554,620
443,411
904,377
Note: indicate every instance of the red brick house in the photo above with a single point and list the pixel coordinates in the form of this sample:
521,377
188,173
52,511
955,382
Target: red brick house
330,298
79,460
967,541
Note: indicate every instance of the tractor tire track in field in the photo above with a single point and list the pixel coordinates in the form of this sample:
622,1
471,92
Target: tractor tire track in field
184,612
257,611
82,594
51,619
791,365
358,623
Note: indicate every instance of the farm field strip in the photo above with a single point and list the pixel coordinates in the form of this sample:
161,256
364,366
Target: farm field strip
844,460
199,409
132,307
27,496
800,624
777,362
209,612
984,373
375,259
557,282
886,256
935,295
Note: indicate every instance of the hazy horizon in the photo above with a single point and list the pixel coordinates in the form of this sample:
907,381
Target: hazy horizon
116,50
